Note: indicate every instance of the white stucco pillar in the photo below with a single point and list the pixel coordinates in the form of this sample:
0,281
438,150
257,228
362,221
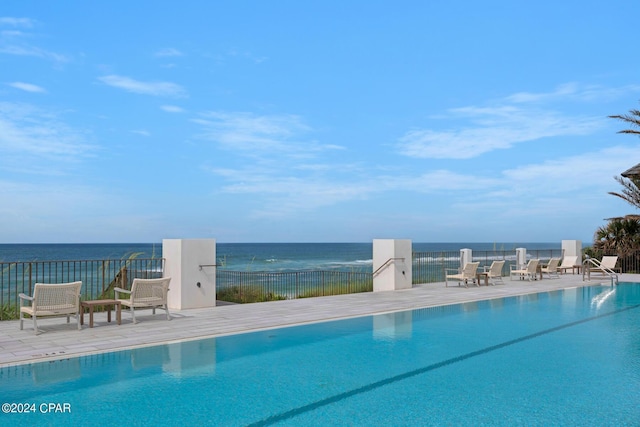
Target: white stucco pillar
521,257
572,248
192,286
392,264
466,256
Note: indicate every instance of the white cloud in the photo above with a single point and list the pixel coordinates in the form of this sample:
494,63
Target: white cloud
573,92
495,128
250,133
515,119
562,91
172,109
445,181
144,88
142,132
236,53
279,195
27,87
27,50
575,175
281,179
16,22
168,52
37,142
14,42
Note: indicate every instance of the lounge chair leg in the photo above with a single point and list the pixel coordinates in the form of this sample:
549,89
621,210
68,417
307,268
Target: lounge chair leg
21,321
35,325
166,308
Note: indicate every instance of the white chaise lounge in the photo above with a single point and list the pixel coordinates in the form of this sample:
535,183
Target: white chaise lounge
607,265
467,273
529,272
494,274
569,262
551,268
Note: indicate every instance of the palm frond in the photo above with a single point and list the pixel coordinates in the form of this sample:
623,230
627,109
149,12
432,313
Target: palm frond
630,192
633,118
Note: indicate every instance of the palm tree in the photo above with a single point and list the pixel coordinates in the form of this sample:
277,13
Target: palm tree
630,183
620,236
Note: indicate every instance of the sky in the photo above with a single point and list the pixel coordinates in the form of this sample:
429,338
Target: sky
314,121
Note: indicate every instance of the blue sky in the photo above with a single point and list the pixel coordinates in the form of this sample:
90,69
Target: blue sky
314,121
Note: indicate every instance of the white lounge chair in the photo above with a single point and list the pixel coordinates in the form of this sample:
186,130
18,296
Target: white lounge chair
528,272
145,293
569,262
51,300
551,268
607,264
495,272
467,273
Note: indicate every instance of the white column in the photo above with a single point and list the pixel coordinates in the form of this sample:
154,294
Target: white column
572,248
466,256
521,257
192,286
392,264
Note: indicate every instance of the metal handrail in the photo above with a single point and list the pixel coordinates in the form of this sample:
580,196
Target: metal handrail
607,271
386,264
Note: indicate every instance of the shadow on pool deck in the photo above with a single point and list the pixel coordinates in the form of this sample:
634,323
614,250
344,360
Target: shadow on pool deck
58,339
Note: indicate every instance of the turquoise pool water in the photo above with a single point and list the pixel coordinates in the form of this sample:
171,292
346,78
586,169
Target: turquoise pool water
567,357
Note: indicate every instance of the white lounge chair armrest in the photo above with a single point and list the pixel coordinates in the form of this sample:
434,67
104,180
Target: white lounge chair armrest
452,270
121,291
24,296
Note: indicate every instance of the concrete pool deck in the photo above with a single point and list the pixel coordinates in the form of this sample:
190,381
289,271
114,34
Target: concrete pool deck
59,340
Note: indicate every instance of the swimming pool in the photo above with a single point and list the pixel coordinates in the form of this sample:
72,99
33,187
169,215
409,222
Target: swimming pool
568,357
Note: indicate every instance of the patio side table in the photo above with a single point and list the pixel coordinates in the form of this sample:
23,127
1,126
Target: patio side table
106,303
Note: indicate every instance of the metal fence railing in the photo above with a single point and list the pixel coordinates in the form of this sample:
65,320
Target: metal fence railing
256,286
98,277
428,267
629,263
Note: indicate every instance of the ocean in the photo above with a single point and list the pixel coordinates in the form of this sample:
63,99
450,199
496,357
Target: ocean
249,256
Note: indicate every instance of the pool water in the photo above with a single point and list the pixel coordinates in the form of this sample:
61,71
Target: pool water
568,357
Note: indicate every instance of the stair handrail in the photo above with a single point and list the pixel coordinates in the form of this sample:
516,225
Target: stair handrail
606,271
385,265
